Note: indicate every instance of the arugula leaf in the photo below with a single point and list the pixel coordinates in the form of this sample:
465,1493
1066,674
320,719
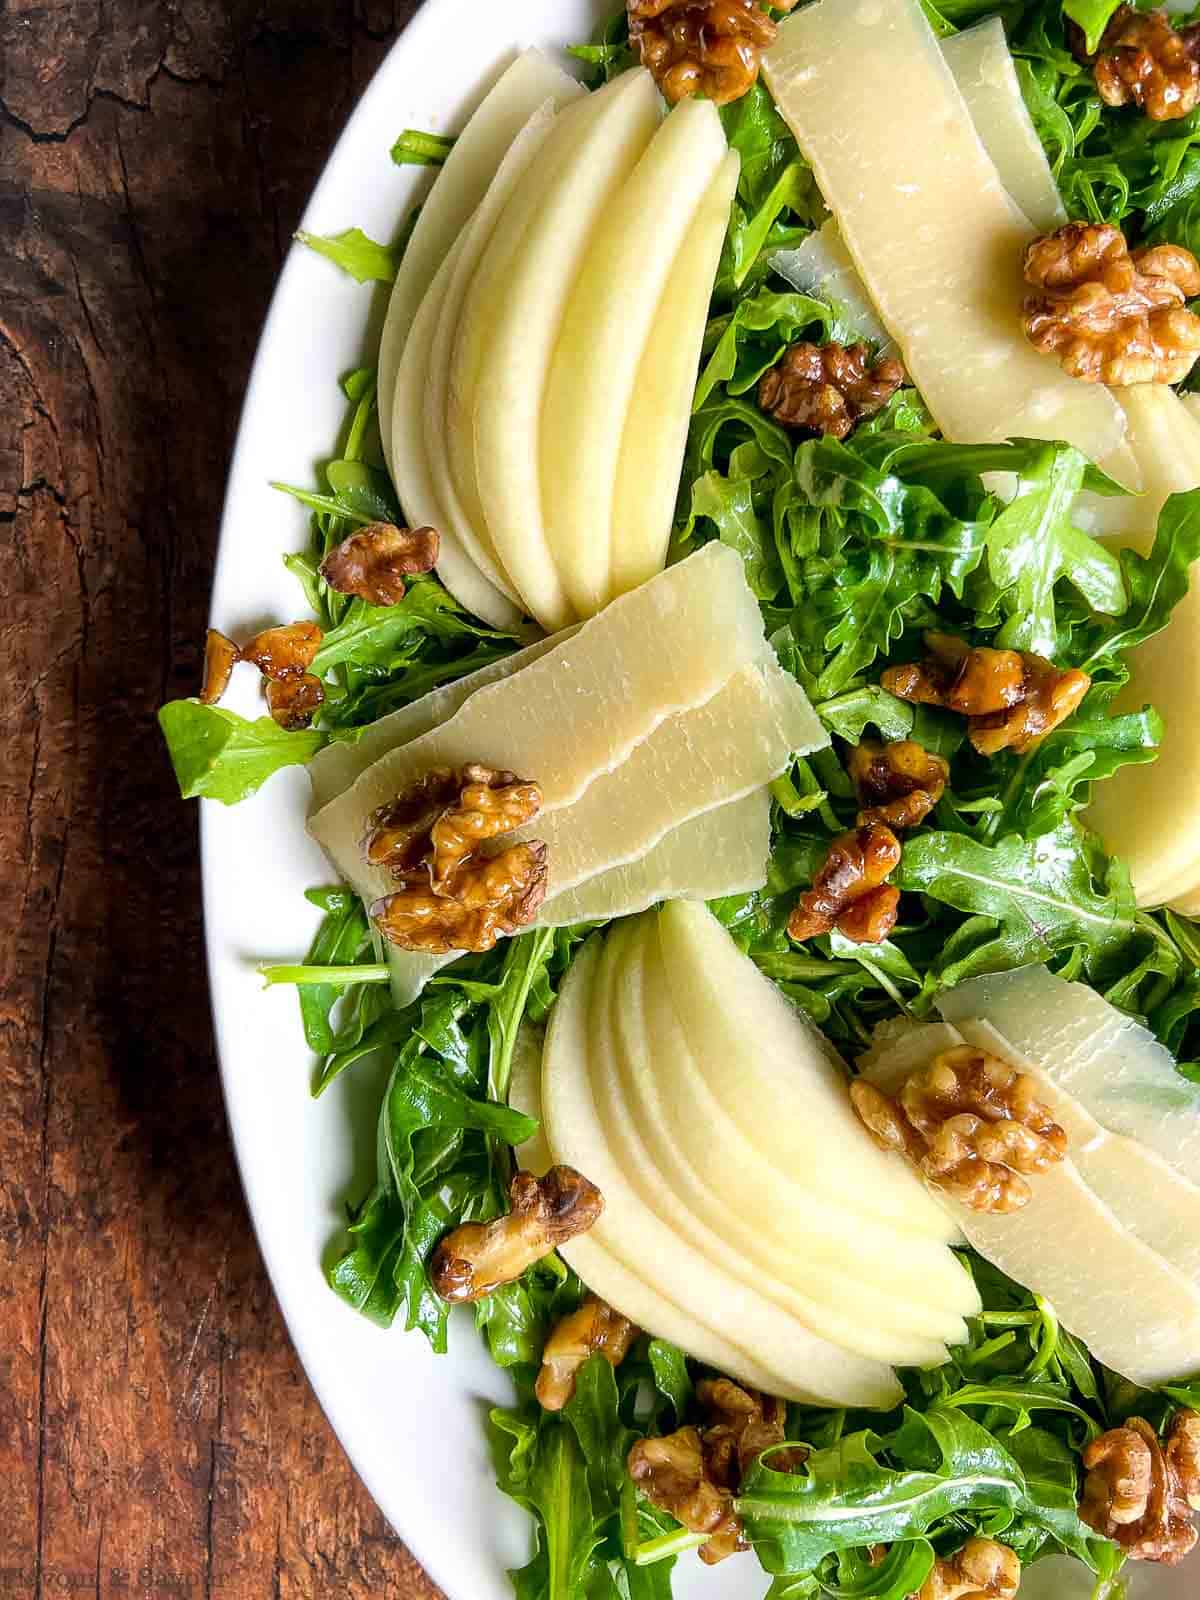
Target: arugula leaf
545,1471
417,149
371,635
221,756
362,258
1093,16
337,942
1156,582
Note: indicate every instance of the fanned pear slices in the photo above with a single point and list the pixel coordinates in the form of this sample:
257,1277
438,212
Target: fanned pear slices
1111,1235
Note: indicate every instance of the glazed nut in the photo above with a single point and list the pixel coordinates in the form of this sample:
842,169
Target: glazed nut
374,561
593,1328
671,1473
855,869
829,388
486,900
476,1258
284,652
221,655
898,782
446,816
708,47
1144,60
1140,1494
1110,316
294,702
981,1570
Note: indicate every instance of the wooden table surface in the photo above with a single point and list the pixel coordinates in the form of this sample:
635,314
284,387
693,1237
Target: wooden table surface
157,1436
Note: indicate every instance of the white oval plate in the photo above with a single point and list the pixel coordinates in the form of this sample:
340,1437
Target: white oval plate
411,1423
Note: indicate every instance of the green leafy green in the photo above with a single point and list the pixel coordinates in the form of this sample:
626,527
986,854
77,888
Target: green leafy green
417,149
1093,16
364,259
221,756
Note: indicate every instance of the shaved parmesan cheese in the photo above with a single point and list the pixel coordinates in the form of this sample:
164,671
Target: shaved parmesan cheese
983,68
936,239
820,265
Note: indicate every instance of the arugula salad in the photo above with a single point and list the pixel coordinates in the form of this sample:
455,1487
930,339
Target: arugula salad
751,641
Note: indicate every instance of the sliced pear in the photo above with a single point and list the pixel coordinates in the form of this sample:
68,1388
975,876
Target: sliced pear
724,1001
636,1236
1135,1311
511,321
935,236
410,464
1110,1064
823,1280
605,329
656,427
457,190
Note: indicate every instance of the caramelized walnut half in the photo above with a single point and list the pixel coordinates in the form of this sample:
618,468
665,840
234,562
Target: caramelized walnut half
850,891
294,702
546,1212
1109,316
374,562
1144,60
221,655
708,47
982,1570
1137,1493
971,1124
898,783
594,1327
1011,699
694,1473
284,652
489,803
828,388
485,900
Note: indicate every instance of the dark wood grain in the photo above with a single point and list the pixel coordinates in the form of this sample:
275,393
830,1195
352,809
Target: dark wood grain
156,1434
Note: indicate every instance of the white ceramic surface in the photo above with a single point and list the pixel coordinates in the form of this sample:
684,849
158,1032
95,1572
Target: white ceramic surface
410,1422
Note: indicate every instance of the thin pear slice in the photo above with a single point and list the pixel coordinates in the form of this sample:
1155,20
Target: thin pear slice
1110,1064
603,1274
636,1236
512,320
656,427
472,530
698,1144
1136,1312
832,1292
457,190
752,1047
604,333
410,464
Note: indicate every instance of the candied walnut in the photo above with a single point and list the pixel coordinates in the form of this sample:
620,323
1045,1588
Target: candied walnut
478,1257
971,1124
1136,1493
593,1327
489,803
1144,60
1011,699
400,835
221,655
671,1473
898,783
856,867
485,900
743,1424
1183,1455
1109,316
294,702
981,1570
828,388
708,47
284,652
374,562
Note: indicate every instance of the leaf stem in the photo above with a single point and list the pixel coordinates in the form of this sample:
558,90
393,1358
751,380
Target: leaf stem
366,972
667,1545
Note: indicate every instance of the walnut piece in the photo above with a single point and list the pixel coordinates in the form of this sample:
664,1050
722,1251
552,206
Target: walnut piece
487,899
294,702
828,388
898,782
1109,316
284,652
981,1570
374,562
1011,699
1144,60
708,47
593,1327
221,655
694,1473
850,891
476,1258
451,897
971,1124
1138,1493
